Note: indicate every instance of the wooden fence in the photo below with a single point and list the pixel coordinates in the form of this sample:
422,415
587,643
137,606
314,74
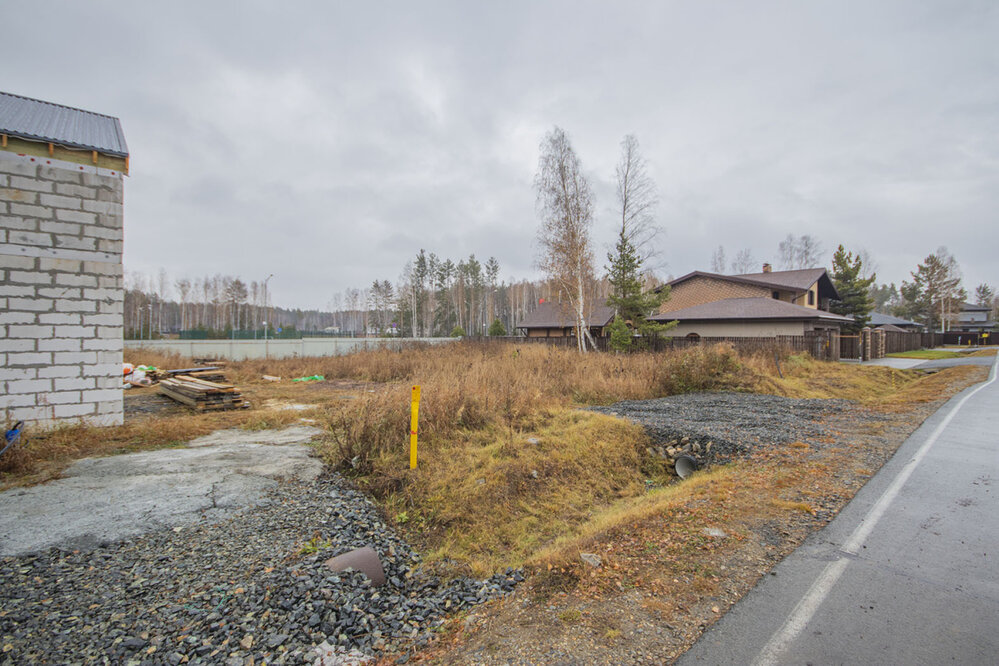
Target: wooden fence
896,341
823,345
849,347
820,344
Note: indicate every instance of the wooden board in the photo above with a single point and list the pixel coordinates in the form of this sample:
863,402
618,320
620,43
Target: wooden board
200,394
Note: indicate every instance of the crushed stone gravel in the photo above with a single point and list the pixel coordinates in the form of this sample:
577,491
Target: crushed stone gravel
735,423
249,588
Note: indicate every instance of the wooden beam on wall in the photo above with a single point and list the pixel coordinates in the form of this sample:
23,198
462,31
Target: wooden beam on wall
85,157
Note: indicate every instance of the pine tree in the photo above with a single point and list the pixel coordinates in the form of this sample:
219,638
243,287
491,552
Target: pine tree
854,291
984,295
938,281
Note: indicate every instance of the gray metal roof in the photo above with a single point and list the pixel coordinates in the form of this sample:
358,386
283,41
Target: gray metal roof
747,308
560,315
54,123
879,319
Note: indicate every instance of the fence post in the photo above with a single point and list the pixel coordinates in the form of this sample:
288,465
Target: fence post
865,344
879,343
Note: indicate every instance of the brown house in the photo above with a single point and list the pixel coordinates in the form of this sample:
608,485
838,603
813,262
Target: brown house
751,305
749,318
557,320
808,287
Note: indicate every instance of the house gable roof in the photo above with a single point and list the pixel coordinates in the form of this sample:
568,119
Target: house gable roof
798,281
560,315
971,307
749,309
36,120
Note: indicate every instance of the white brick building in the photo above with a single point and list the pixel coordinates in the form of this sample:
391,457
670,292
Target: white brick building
61,292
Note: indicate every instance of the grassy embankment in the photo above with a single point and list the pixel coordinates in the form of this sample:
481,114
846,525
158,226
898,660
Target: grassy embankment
510,472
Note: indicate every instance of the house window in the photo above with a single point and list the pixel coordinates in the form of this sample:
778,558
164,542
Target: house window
776,295
811,298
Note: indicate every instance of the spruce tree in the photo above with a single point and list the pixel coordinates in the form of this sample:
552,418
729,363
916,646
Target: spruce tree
854,291
620,335
627,298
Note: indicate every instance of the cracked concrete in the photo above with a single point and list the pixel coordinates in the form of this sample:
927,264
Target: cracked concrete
102,500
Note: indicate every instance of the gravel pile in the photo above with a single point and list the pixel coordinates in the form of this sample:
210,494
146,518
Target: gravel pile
241,589
733,423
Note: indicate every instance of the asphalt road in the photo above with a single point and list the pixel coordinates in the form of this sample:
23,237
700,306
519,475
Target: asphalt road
907,573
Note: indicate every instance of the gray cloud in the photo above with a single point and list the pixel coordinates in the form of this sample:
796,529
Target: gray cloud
328,143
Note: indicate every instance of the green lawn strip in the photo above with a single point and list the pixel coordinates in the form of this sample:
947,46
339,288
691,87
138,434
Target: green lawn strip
928,354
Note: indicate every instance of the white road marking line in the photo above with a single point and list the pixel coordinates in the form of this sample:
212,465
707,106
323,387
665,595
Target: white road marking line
819,590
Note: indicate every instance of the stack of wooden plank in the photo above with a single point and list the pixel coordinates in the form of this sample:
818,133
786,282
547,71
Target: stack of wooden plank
201,394
209,374
210,361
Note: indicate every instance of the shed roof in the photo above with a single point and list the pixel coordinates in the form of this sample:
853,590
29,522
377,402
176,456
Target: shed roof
36,120
560,315
749,309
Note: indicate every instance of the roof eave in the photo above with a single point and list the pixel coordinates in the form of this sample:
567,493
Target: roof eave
65,144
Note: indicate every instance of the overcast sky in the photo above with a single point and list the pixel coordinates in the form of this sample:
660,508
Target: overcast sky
326,143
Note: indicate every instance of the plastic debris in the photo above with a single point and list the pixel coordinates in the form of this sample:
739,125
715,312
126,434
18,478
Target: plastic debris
12,436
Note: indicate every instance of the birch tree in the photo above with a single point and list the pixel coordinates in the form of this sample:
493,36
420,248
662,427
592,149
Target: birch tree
565,205
801,252
638,198
636,194
743,262
718,260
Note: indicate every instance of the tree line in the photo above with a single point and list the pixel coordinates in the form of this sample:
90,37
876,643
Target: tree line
438,296
934,295
435,296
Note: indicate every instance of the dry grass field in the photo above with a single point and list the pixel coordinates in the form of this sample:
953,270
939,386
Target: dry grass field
494,420
513,473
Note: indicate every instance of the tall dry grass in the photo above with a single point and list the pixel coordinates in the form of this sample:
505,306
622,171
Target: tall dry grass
470,387
507,464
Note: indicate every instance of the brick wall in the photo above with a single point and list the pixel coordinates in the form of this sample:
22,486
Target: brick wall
699,290
61,291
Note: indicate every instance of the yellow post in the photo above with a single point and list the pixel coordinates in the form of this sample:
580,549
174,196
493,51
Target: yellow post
414,422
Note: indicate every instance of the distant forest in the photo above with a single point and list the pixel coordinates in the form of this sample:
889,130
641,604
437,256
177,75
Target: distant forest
435,297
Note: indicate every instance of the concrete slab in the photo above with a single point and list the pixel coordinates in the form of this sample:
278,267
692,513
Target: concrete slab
107,499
